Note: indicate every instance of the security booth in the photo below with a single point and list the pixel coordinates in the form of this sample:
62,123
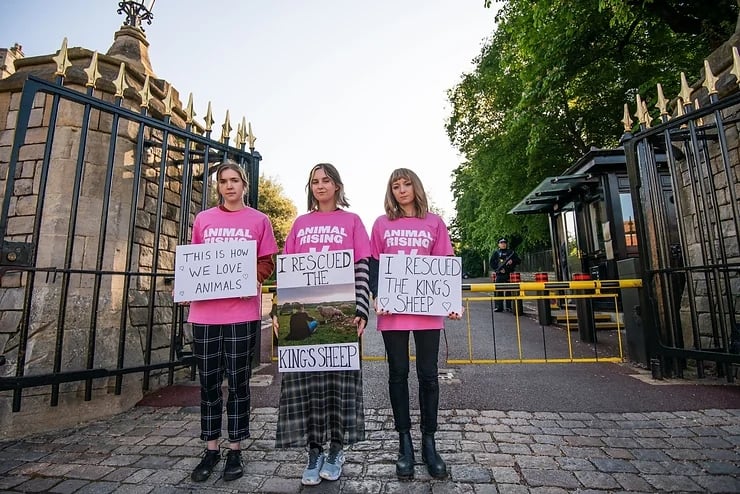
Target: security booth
592,220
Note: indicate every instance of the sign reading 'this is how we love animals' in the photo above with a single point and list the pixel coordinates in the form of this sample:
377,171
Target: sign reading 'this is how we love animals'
218,270
424,285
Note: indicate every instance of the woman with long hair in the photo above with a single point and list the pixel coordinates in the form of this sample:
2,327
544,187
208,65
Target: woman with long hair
408,222
323,407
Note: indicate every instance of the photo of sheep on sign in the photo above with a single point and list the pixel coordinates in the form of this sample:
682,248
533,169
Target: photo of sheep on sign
315,309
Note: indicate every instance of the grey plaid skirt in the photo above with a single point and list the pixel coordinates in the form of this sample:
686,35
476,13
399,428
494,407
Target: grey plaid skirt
318,407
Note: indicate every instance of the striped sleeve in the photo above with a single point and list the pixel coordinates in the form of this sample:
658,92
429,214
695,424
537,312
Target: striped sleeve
362,289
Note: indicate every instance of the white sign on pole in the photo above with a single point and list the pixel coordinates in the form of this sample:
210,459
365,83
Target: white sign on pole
423,285
215,270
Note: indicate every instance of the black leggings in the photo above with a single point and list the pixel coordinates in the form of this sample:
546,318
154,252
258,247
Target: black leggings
427,353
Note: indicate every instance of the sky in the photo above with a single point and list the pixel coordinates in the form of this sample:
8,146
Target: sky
359,84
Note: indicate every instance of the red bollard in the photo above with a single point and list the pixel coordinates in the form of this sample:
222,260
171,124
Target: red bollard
544,312
517,278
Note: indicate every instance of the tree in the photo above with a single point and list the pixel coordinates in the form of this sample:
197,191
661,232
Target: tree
550,83
277,207
711,22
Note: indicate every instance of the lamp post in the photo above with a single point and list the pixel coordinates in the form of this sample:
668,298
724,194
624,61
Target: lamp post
136,12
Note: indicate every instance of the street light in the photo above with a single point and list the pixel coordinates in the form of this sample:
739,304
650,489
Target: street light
136,12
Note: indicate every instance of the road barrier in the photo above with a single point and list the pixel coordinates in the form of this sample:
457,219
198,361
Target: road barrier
489,340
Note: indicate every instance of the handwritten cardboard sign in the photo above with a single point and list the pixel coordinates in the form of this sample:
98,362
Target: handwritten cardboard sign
217,270
316,297
423,285
334,267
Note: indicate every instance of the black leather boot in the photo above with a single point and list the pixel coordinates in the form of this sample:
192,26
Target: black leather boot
405,463
435,465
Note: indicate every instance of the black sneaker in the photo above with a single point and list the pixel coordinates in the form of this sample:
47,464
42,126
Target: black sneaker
234,467
497,309
205,467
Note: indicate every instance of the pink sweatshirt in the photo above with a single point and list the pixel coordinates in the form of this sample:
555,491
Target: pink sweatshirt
426,237
336,230
218,225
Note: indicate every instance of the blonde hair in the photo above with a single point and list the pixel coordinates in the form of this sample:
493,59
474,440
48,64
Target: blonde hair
333,174
392,208
229,164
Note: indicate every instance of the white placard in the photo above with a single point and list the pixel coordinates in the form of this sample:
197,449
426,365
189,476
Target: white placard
334,267
215,270
326,357
320,288
423,285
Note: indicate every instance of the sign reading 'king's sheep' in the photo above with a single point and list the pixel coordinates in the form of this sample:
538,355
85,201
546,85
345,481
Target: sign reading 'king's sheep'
315,312
423,285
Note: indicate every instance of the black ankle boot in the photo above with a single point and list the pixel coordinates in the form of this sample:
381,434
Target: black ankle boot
234,467
435,465
405,463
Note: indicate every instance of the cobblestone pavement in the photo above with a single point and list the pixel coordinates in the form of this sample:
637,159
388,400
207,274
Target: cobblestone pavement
153,449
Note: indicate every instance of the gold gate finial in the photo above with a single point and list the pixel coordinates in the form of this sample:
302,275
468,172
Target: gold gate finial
92,71
239,135
250,136
699,121
145,93
62,60
120,81
244,130
226,128
639,113
710,80
209,118
626,120
662,103
189,113
646,115
168,101
735,64
685,93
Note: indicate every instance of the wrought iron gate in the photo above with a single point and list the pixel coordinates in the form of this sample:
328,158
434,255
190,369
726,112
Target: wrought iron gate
96,197
692,270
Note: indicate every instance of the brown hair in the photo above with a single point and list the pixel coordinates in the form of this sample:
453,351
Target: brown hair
333,174
229,164
392,208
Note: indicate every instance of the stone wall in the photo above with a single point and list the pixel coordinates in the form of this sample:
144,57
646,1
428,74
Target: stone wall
83,300
721,64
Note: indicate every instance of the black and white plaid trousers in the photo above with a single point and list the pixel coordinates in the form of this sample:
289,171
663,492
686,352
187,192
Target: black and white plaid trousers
219,349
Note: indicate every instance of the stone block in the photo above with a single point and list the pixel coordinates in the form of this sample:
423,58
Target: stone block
28,168
7,136
20,225
10,321
23,187
25,205
36,118
69,114
12,299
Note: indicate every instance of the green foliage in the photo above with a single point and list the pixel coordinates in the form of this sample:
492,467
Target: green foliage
550,83
281,210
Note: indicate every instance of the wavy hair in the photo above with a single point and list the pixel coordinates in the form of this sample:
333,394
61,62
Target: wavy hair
333,174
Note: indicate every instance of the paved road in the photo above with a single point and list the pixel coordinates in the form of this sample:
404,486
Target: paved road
514,428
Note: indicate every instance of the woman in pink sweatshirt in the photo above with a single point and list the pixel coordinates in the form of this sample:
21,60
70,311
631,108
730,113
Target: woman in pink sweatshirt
407,227
224,339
